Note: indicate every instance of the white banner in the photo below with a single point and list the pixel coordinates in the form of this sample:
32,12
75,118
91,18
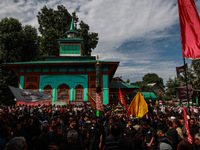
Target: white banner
29,96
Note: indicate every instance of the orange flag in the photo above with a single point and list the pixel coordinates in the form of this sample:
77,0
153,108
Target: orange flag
138,106
92,101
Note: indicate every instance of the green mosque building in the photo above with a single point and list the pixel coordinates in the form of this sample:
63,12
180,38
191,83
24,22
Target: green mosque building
71,76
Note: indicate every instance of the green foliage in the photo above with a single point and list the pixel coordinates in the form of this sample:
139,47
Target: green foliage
195,67
54,23
171,84
153,78
193,76
90,39
143,86
128,81
17,44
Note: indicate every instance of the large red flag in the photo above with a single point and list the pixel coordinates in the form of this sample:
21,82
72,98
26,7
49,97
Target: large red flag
186,125
121,99
190,29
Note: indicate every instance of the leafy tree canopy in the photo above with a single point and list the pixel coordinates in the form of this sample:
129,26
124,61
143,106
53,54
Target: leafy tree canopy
54,23
171,85
17,44
153,78
143,87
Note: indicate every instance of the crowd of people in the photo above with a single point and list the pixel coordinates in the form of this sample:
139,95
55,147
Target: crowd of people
78,128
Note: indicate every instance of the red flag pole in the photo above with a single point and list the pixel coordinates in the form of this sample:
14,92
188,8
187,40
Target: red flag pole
190,33
186,125
121,99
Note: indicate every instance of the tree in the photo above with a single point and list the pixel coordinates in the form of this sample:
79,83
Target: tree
196,65
153,78
17,44
171,85
90,39
128,81
196,73
143,87
54,23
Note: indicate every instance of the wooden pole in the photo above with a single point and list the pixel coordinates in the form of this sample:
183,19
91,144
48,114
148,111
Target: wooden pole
186,82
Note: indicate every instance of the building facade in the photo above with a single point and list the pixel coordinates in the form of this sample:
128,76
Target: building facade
69,77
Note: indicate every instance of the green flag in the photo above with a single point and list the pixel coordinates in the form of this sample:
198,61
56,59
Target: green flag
197,100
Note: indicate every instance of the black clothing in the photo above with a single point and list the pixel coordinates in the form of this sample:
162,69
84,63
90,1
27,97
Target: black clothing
111,143
130,132
42,143
173,136
149,134
71,146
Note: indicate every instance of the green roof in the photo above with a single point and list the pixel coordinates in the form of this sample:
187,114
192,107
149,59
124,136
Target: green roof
149,95
59,62
117,85
70,39
72,29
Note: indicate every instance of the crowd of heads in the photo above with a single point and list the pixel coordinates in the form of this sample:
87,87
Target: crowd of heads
77,127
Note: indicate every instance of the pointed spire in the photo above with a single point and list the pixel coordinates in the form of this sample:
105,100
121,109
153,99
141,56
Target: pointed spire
71,32
72,25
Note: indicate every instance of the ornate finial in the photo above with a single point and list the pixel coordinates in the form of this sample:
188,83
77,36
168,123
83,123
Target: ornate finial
97,59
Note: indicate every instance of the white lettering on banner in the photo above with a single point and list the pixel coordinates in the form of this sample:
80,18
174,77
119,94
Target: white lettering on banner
29,96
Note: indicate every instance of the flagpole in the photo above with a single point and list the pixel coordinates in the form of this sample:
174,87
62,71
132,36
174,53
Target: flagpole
138,107
186,82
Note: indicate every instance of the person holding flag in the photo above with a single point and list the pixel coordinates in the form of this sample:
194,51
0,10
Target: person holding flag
138,106
121,99
190,139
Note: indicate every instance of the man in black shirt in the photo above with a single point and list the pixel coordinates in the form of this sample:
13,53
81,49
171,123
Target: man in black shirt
172,134
149,135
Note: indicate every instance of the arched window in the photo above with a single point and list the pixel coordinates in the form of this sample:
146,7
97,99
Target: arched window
48,90
79,93
63,93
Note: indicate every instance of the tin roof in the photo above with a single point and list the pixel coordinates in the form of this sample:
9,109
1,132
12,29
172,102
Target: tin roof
122,85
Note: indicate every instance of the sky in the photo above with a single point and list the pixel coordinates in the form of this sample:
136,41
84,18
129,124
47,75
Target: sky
144,35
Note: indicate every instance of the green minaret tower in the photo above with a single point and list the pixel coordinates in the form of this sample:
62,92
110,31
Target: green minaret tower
71,45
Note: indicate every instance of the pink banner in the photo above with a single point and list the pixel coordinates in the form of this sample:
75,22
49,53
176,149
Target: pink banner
99,104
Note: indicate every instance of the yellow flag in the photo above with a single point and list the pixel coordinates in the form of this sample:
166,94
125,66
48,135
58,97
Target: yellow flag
92,101
138,106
